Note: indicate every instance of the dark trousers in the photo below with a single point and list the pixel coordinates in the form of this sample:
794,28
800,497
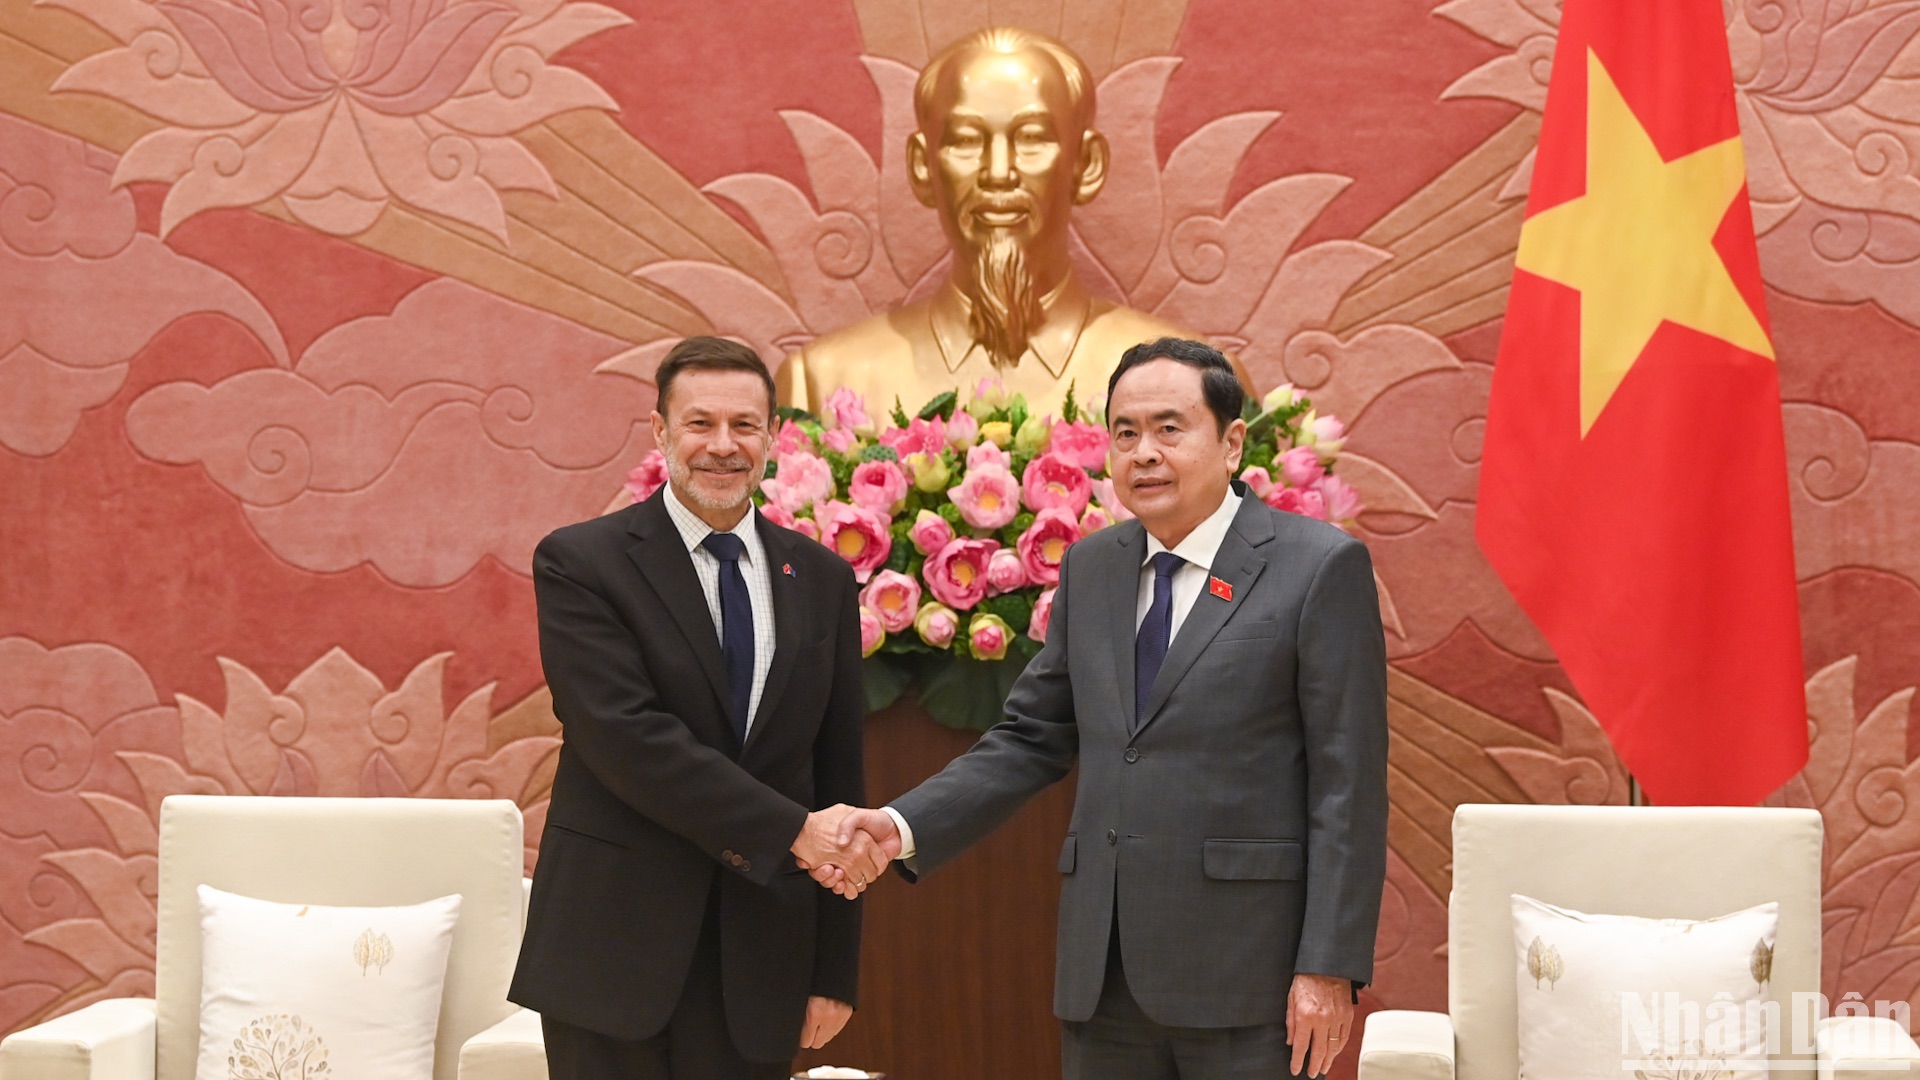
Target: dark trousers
695,1044
1121,1042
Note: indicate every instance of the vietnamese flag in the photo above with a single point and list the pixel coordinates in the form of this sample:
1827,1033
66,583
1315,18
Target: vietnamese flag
1633,488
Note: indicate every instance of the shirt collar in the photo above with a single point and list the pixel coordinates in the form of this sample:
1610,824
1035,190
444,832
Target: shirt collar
1064,313
693,530
1203,543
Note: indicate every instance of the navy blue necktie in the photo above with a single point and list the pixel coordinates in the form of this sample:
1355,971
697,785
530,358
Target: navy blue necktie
736,625
1156,630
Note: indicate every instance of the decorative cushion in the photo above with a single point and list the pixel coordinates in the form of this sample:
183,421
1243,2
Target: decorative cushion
305,992
1620,997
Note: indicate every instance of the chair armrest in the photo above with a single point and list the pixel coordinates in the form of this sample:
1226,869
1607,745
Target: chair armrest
107,1040
1863,1048
1400,1044
513,1049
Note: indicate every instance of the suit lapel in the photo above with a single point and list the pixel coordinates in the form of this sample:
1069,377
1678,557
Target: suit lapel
1238,563
1121,599
788,618
661,556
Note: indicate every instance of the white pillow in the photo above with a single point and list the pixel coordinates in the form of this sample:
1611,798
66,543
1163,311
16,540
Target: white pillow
304,992
1618,995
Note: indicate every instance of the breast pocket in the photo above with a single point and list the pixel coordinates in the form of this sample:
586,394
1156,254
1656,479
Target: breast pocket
1252,630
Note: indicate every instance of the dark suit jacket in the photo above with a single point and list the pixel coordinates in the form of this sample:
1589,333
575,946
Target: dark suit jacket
655,805
1240,825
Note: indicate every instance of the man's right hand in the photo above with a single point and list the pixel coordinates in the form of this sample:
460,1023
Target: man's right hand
837,845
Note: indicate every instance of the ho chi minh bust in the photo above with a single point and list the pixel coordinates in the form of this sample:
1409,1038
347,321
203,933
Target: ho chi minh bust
1005,149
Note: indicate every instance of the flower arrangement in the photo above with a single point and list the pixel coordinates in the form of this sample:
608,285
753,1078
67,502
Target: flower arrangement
955,520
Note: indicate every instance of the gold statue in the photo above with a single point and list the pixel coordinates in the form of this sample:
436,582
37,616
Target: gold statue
1004,151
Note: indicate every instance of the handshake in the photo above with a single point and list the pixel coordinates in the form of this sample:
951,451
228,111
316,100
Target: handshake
847,848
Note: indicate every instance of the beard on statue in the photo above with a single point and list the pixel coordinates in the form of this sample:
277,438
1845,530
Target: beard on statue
1000,289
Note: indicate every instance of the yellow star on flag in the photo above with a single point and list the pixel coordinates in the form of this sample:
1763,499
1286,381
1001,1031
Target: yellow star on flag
1639,245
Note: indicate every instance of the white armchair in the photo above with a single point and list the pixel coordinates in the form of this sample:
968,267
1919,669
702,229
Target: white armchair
348,852
1657,862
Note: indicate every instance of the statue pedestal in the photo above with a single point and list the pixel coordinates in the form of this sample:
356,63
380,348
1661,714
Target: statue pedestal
956,973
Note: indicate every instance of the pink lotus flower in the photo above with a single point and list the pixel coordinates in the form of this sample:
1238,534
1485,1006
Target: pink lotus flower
962,430
930,532
988,636
1326,434
800,480
918,437
839,440
871,632
894,597
857,535
1300,466
1258,480
1306,502
647,477
1004,572
877,485
338,109
1045,543
957,574
846,409
1110,500
989,395
779,515
1052,481
936,624
988,454
1094,520
1342,502
1082,443
988,497
1042,615
790,438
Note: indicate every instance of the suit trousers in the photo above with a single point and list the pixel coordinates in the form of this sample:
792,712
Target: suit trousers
695,1044
1120,1042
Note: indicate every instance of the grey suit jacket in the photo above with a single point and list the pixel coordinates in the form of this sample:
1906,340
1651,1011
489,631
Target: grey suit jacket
1240,825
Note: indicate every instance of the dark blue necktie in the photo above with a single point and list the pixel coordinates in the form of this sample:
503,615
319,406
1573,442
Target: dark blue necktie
1150,646
736,625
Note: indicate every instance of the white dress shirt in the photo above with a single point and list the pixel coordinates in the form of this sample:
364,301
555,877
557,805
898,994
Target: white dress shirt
753,567
1189,580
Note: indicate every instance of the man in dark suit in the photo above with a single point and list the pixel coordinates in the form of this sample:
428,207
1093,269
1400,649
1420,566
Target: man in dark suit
705,668
1217,668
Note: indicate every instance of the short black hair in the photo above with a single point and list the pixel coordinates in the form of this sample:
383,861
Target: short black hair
710,354
1218,382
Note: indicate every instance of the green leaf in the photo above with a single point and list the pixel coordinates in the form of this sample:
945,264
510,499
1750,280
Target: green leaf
1069,409
1249,408
877,452
952,514
901,555
969,694
1015,607
942,406
788,412
1017,413
899,414
885,680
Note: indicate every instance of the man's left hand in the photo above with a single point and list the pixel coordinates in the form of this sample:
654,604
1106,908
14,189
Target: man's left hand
825,1018
1319,1018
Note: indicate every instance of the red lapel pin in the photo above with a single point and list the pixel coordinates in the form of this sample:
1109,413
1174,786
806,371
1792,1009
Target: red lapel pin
787,569
1219,588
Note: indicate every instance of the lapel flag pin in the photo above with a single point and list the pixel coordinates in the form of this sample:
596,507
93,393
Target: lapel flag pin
787,569
1220,588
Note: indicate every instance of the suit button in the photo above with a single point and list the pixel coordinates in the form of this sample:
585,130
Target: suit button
1131,755
1112,837
746,867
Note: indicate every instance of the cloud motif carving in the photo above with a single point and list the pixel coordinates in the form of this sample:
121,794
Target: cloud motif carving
84,290
495,432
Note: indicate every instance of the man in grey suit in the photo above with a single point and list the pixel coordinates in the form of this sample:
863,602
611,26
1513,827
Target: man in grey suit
1218,669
